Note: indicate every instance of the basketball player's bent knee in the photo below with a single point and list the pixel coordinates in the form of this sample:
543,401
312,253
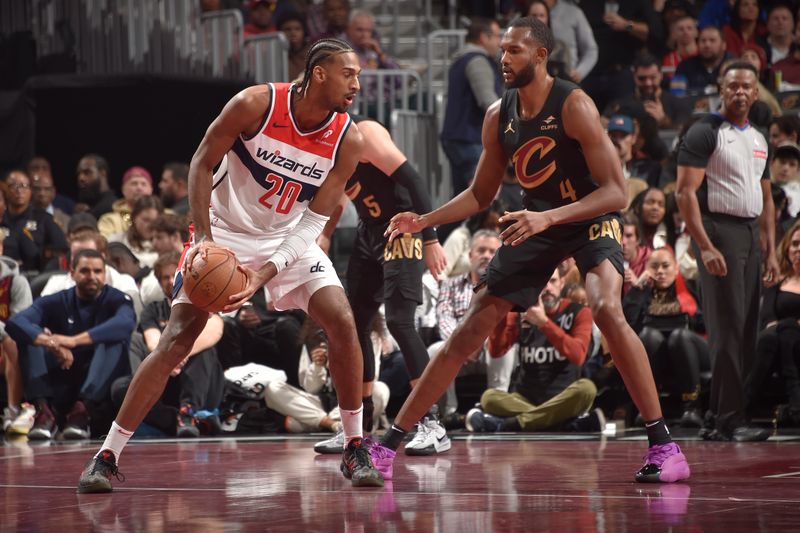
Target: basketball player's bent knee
172,349
459,348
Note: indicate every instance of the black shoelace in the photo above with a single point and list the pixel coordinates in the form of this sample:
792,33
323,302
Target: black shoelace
361,455
110,467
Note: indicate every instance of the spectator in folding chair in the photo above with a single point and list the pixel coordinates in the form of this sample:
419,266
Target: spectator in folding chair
259,19
72,346
15,296
366,44
94,193
136,183
169,233
455,295
173,187
40,166
551,341
36,241
313,406
90,239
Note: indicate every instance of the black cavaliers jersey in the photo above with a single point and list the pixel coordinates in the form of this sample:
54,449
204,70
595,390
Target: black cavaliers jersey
548,164
376,197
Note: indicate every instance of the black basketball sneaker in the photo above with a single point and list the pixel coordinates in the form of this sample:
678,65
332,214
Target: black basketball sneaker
96,475
357,465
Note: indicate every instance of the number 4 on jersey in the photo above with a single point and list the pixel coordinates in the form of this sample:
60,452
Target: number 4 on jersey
567,191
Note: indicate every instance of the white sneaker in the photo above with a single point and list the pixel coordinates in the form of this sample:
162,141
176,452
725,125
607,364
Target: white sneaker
75,433
431,477
23,423
9,414
332,445
431,438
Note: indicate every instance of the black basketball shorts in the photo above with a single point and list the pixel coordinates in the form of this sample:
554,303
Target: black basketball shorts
519,273
377,269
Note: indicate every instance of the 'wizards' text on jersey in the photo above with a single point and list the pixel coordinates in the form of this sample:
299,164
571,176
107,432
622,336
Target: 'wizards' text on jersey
266,181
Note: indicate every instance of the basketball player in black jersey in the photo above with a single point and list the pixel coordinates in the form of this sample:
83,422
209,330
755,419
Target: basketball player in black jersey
573,183
384,184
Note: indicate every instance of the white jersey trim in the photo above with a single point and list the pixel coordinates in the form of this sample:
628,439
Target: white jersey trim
294,124
267,115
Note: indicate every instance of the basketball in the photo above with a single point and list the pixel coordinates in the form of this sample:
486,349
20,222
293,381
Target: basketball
212,280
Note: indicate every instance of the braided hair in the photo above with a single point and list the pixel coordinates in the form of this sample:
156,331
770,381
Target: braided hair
321,51
538,30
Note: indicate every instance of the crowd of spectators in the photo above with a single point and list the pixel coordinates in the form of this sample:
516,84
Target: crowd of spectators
86,282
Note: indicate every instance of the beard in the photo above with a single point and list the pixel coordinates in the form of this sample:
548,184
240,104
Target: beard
523,78
168,199
89,194
481,270
88,292
551,302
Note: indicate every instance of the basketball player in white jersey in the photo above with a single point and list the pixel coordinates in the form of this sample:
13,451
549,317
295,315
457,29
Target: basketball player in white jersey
286,152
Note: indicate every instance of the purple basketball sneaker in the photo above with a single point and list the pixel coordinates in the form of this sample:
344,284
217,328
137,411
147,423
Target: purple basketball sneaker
664,463
382,459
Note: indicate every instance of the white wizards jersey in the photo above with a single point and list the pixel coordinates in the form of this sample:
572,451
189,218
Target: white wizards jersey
266,181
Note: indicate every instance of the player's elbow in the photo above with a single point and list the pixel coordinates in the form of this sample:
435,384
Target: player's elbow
620,197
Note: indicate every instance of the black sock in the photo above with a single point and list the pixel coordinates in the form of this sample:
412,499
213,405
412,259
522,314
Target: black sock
368,412
657,432
433,412
392,438
511,424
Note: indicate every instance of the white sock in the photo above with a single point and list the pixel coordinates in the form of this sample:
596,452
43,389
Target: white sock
116,440
351,422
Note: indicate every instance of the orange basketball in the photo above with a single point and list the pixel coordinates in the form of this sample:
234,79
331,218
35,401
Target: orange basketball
210,281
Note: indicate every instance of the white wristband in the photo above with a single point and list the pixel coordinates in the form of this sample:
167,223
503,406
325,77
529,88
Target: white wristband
303,235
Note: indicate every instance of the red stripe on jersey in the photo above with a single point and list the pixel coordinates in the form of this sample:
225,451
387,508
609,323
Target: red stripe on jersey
280,127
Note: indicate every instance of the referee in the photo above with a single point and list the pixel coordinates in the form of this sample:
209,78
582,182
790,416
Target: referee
723,194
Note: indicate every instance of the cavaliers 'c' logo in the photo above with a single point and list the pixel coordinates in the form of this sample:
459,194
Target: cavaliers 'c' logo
521,158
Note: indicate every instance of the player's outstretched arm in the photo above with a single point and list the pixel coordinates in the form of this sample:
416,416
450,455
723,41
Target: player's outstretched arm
241,115
479,195
582,123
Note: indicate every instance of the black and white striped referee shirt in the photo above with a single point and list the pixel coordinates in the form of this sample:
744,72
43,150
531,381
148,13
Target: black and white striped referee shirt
735,161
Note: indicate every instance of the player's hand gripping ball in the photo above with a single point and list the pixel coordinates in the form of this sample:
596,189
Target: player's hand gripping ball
210,280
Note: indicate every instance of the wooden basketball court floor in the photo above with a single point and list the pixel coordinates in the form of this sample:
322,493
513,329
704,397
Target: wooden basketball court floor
498,483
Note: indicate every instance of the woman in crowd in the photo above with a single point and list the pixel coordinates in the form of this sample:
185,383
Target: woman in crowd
745,27
293,25
649,207
139,236
779,340
666,315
